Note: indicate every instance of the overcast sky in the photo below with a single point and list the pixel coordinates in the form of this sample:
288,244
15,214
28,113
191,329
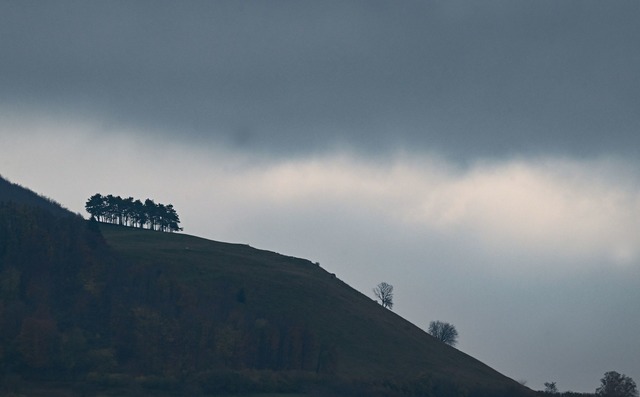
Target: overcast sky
481,157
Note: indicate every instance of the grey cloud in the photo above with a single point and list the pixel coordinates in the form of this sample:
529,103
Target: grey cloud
287,77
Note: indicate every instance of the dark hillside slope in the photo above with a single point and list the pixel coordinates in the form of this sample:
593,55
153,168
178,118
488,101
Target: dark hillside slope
256,309
56,276
14,193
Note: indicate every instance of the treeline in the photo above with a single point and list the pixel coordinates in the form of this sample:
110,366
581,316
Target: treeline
133,213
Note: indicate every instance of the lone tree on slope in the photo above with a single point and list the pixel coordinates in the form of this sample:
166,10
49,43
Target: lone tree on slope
550,388
444,332
384,292
615,385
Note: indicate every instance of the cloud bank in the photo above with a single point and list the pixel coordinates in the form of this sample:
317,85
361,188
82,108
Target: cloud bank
582,211
293,78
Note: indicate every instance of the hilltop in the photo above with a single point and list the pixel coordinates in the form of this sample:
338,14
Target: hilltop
99,307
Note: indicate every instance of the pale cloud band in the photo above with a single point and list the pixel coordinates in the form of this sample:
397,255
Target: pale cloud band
556,208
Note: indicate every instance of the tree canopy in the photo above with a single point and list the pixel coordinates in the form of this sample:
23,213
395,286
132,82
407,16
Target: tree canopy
134,213
614,384
444,332
550,388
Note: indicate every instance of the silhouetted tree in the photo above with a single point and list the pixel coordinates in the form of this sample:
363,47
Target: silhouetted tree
139,217
96,206
550,387
171,219
134,213
151,210
616,385
127,211
113,209
384,292
444,332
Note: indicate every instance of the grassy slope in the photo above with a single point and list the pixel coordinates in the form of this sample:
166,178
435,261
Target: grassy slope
372,342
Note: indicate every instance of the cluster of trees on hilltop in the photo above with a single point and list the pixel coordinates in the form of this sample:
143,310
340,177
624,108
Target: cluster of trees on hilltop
134,213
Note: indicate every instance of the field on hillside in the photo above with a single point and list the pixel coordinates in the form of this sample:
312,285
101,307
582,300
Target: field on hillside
363,340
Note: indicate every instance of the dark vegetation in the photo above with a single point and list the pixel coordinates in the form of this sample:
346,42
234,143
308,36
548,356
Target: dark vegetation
564,394
134,213
444,332
101,309
614,384
11,192
384,292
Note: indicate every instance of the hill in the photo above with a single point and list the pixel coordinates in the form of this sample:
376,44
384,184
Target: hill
14,193
89,308
363,339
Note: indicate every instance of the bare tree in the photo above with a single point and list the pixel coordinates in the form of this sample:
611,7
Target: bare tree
615,385
384,292
550,388
444,332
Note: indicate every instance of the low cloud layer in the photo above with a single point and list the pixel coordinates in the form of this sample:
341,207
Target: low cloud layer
575,210
543,207
289,78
